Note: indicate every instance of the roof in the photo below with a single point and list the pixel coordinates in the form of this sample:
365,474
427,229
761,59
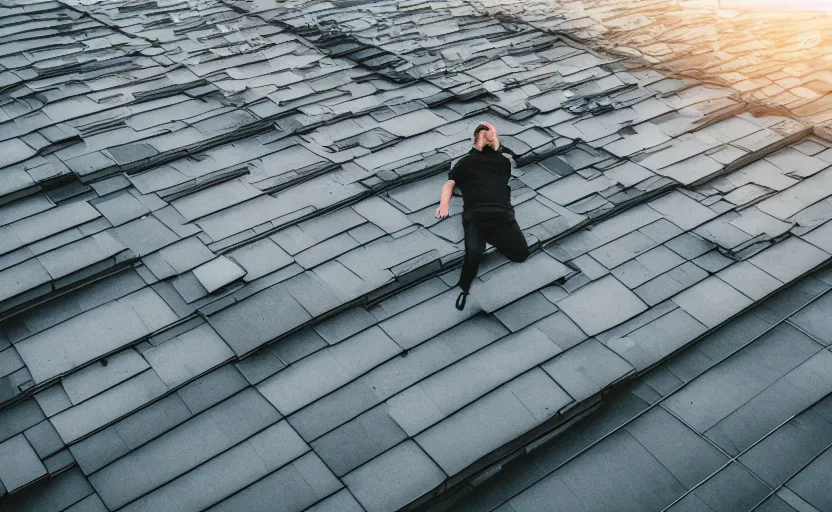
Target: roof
222,285
740,420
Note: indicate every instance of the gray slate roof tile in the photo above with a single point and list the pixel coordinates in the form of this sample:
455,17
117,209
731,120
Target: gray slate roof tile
260,318
712,301
512,281
51,495
394,479
108,406
183,448
395,375
492,421
212,388
188,355
789,259
260,258
780,455
217,273
44,439
91,503
444,392
21,464
705,402
334,366
344,325
733,488
294,486
653,342
586,369
795,392
357,441
96,451
53,400
93,379
341,501
90,335
525,311
606,294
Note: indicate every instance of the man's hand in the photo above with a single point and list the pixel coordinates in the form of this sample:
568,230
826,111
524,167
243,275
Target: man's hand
441,212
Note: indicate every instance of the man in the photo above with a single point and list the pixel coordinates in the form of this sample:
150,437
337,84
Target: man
482,175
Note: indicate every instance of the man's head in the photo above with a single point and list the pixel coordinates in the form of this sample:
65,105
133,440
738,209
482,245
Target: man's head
485,134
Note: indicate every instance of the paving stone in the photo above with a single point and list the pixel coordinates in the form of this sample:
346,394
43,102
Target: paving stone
606,294
434,398
394,479
586,369
22,465
292,388
712,301
258,319
725,387
93,334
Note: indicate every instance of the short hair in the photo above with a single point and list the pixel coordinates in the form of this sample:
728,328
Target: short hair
478,129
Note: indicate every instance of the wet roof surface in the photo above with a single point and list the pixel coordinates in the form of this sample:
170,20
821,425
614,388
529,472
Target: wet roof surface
222,285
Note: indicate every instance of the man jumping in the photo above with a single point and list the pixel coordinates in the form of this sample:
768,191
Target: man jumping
482,175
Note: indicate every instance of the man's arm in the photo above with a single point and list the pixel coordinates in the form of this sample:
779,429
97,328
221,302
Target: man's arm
508,151
445,199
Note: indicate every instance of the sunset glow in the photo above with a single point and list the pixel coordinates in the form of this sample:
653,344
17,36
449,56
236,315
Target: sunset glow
789,5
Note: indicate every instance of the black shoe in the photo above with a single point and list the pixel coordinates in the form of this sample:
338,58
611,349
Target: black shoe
460,301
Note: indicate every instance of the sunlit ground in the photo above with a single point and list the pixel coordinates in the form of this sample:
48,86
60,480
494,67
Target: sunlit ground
776,54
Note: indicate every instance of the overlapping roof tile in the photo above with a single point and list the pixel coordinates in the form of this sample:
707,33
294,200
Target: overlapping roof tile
222,284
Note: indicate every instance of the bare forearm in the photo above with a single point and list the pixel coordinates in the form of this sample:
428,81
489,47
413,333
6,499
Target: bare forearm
447,192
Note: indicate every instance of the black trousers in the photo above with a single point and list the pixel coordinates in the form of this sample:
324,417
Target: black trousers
503,233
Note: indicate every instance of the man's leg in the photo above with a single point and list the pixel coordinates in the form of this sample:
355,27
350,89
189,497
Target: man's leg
474,248
508,239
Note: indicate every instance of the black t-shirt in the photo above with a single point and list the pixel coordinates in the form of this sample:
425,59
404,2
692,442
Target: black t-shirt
483,176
